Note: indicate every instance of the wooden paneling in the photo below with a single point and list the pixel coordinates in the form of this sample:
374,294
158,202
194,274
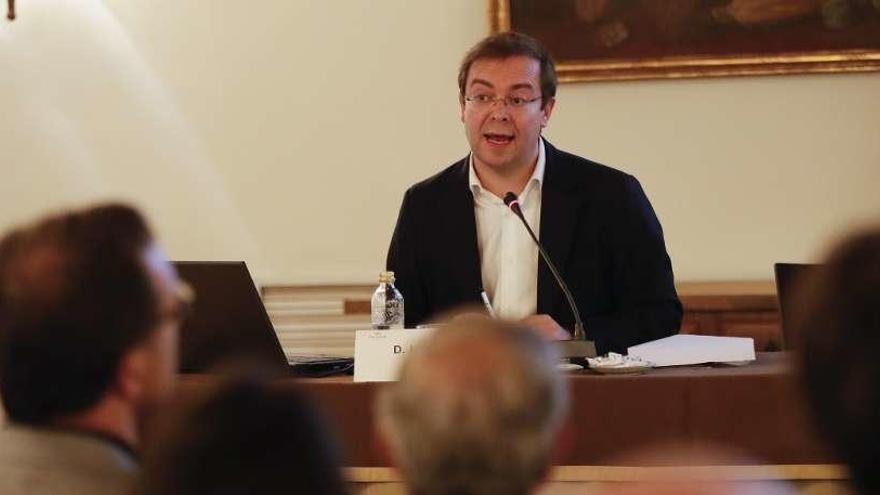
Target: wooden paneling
736,309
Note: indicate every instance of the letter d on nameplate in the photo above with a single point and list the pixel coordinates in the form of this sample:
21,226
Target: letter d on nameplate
378,354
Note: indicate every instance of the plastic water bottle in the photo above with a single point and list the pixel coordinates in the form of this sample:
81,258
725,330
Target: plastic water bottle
387,304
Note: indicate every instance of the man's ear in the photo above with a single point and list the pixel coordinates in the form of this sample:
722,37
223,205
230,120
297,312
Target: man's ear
383,448
383,444
131,374
461,103
547,110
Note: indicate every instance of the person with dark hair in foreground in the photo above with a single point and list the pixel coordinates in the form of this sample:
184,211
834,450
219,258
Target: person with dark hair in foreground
455,238
839,324
89,315
245,438
477,411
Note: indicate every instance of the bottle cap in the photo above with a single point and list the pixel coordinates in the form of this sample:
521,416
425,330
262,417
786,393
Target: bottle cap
386,278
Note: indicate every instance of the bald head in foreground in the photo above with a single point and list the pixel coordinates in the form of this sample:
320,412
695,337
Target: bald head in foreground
477,410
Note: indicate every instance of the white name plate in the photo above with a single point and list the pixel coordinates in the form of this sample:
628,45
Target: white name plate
378,354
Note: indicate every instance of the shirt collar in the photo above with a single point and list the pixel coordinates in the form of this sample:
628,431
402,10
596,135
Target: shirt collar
536,178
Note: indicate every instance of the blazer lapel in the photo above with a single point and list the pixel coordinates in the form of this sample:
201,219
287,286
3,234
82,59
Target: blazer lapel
463,228
558,217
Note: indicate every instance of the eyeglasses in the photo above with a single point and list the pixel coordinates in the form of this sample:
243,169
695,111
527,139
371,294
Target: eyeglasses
184,298
486,101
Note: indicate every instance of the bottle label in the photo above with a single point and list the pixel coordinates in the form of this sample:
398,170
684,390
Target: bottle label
387,307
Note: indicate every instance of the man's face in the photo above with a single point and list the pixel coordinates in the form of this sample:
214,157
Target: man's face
162,345
504,137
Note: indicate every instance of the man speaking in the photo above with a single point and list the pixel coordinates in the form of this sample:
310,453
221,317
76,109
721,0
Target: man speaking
455,237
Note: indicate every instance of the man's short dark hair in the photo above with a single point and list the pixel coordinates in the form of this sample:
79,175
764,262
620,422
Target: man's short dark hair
75,295
245,437
511,44
840,326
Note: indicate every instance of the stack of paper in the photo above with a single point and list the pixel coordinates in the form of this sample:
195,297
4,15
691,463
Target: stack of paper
680,350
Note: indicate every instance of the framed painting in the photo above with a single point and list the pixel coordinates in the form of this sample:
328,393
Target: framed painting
595,40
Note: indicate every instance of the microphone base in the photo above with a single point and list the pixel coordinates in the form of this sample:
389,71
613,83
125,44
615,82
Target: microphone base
576,348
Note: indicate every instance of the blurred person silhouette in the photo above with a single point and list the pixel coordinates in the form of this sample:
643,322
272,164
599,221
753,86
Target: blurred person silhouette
90,310
839,325
478,410
244,437
456,240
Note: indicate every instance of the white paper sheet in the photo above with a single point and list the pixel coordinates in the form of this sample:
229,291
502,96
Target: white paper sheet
681,350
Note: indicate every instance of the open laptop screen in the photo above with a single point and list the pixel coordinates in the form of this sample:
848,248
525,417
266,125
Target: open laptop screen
228,322
790,277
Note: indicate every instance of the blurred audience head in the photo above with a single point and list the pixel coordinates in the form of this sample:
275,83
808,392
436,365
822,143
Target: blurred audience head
244,437
89,315
839,323
477,410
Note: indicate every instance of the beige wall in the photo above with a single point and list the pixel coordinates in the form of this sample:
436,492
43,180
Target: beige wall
284,132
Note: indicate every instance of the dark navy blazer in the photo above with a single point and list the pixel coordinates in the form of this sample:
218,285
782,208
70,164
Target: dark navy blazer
597,225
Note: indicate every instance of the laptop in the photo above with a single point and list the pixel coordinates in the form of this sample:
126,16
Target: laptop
789,278
229,324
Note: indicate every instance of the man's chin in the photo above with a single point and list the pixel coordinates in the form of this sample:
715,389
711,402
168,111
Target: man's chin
498,164
495,158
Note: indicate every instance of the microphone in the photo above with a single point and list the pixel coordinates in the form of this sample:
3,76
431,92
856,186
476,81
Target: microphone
512,202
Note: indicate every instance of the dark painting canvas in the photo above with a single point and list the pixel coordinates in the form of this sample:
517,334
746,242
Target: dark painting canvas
629,39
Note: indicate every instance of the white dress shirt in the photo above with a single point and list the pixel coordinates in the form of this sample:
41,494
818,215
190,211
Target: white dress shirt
508,256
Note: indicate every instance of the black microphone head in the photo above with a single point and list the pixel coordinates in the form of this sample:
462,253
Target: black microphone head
510,198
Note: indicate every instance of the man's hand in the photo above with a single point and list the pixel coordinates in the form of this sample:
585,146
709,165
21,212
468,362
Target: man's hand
546,326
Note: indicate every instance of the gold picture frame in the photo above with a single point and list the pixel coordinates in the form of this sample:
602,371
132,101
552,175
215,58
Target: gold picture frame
736,57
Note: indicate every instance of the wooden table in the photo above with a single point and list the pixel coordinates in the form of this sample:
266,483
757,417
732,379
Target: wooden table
757,408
